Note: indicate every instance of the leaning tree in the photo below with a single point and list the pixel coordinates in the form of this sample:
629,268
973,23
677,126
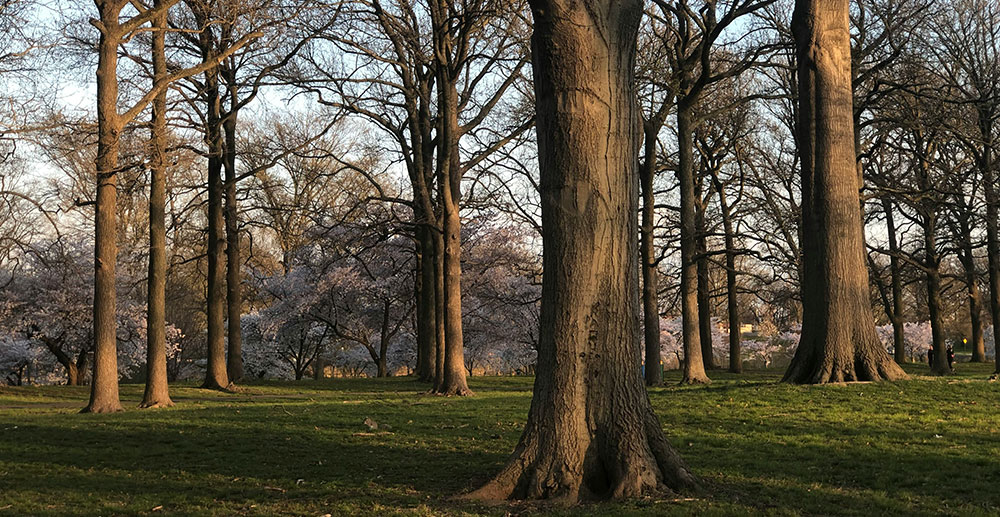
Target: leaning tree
591,431
838,340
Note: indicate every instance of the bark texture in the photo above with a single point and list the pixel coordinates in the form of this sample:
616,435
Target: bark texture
838,340
104,384
157,393
591,432
234,293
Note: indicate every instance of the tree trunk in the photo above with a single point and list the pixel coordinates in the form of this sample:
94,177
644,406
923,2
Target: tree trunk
704,296
591,431
439,332
650,284
838,341
898,341
157,393
234,295
216,376
972,284
104,385
992,230
694,365
426,319
732,289
934,310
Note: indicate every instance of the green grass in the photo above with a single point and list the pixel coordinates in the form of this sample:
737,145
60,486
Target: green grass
921,447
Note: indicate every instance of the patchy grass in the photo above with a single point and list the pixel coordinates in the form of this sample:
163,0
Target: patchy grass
921,447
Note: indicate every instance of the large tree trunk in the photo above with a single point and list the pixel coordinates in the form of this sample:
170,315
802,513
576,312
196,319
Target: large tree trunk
694,365
650,284
898,344
838,340
157,393
454,382
104,385
216,376
234,295
591,431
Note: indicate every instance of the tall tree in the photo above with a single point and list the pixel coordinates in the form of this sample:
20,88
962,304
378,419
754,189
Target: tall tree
114,31
157,393
838,340
591,431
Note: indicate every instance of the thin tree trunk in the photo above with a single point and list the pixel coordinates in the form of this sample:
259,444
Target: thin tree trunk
898,341
694,365
732,288
234,296
838,341
104,384
704,294
933,277
157,393
650,284
439,329
992,231
591,432
972,285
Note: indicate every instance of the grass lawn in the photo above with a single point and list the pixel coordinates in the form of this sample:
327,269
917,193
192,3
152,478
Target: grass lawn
920,447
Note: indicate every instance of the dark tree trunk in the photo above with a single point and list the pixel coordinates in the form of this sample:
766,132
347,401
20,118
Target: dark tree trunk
704,294
157,393
972,285
838,340
234,295
104,384
650,284
216,376
898,342
986,164
439,301
426,319
694,363
591,432
934,309
732,288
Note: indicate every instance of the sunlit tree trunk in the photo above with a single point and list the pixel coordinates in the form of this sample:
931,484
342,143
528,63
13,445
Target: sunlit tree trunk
234,295
694,365
838,340
104,384
591,431
157,393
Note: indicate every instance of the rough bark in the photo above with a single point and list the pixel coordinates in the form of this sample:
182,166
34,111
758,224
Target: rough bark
234,295
104,384
694,365
157,393
650,283
838,340
591,431
449,195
